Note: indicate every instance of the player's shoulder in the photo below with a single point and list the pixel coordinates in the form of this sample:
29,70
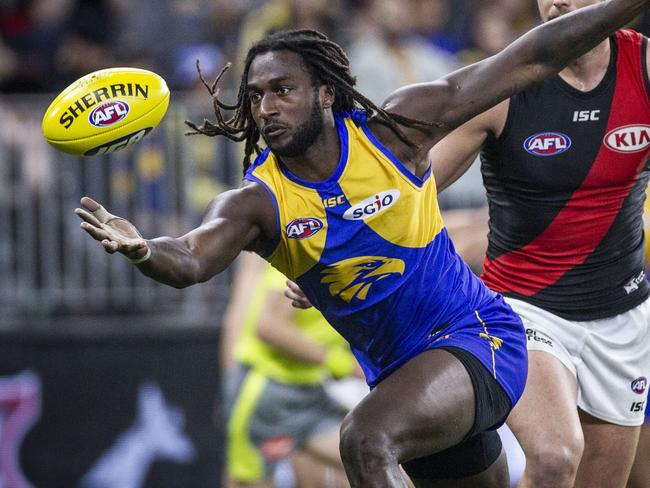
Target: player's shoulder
630,35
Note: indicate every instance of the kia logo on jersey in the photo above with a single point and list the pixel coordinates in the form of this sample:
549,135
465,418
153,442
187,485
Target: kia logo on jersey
639,385
372,205
547,144
629,139
303,228
108,113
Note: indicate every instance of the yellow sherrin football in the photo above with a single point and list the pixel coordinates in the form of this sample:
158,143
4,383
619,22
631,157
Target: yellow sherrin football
105,111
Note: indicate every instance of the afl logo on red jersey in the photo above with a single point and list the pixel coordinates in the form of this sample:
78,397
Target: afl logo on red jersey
303,228
547,144
629,139
108,113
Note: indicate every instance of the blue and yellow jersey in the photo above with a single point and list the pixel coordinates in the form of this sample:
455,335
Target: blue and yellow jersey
369,249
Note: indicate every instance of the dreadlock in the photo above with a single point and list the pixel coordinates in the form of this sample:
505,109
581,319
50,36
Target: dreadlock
328,64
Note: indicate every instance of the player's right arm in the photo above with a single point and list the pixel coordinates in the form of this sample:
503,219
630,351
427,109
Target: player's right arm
234,221
451,101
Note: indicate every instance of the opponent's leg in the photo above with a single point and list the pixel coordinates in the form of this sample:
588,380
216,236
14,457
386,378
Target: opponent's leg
545,422
325,447
425,407
640,474
311,472
608,455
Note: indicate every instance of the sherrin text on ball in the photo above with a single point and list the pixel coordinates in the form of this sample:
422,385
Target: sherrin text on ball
106,111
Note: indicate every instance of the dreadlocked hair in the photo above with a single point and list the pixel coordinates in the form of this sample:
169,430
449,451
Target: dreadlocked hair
328,65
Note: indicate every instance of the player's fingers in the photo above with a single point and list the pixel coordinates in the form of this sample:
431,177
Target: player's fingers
133,246
88,217
98,210
300,304
95,232
297,297
89,203
295,291
293,286
110,246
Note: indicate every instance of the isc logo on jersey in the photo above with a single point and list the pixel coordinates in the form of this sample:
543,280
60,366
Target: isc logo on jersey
303,228
547,144
372,205
108,113
628,139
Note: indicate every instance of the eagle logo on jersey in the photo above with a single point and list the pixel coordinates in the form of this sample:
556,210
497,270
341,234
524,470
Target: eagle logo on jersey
352,278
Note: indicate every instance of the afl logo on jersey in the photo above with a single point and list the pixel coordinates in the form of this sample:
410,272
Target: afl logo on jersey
372,205
109,113
547,144
629,139
303,228
639,385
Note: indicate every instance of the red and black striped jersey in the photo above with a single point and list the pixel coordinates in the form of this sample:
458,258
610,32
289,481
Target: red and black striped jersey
566,183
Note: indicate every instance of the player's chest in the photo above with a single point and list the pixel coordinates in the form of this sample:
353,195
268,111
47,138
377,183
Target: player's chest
567,143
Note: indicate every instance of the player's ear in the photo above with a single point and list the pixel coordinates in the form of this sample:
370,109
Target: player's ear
327,95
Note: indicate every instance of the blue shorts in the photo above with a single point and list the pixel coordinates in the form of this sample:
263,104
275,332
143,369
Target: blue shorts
495,335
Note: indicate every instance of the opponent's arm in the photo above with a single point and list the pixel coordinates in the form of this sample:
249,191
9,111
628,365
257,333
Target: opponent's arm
234,221
537,55
456,152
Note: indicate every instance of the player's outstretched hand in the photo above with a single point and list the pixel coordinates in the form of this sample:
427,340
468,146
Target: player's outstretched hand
295,294
114,233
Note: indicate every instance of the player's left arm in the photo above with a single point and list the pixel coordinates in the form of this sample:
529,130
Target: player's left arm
537,55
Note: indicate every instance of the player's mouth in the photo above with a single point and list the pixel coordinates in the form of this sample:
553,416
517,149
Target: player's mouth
273,130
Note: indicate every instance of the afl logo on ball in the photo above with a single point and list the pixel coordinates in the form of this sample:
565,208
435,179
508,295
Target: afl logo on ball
108,113
547,144
303,228
639,385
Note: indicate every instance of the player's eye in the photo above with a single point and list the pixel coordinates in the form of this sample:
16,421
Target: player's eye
255,97
283,91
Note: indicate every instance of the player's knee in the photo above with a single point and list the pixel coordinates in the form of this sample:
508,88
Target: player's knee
554,464
364,447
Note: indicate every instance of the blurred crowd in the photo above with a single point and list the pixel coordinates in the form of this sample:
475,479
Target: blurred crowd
46,44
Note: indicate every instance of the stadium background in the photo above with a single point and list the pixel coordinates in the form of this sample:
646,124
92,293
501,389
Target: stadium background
107,379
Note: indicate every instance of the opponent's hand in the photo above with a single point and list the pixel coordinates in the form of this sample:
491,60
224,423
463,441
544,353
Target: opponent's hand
297,297
114,233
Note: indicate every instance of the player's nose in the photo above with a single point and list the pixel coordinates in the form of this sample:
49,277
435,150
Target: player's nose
268,107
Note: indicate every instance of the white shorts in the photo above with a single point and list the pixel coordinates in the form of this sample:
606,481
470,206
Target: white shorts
610,358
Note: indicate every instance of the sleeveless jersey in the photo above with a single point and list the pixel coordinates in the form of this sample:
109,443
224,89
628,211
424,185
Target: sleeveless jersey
369,249
268,360
566,184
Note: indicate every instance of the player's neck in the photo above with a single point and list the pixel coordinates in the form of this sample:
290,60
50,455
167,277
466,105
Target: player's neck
321,159
586,72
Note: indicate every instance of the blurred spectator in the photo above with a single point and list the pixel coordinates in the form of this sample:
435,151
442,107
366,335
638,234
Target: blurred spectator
31,32
86,44
432,20
497,24
387,53
326,16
